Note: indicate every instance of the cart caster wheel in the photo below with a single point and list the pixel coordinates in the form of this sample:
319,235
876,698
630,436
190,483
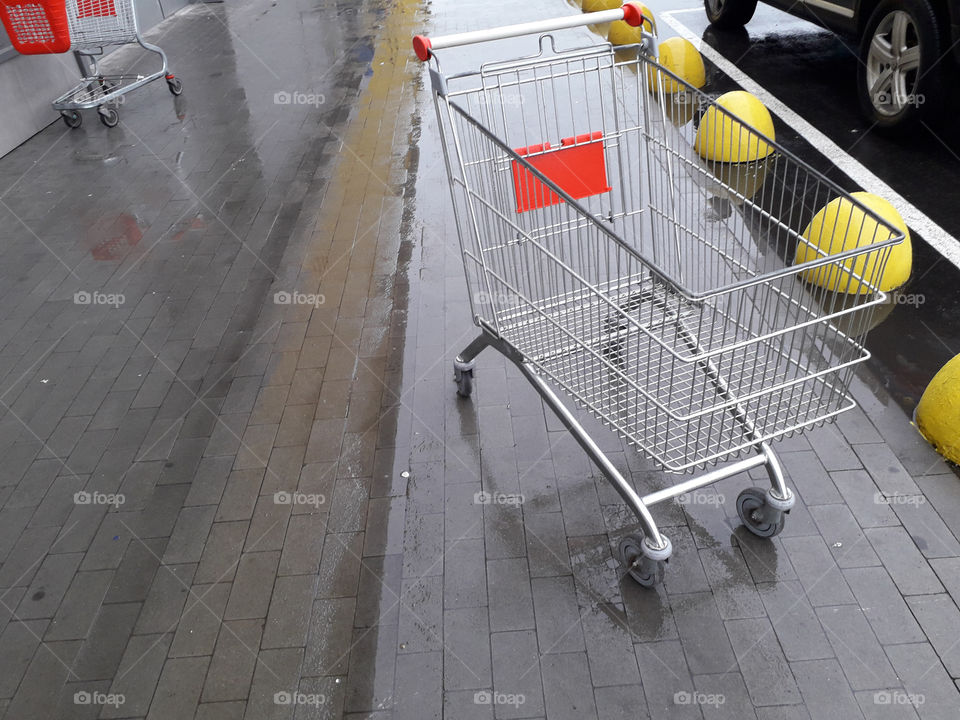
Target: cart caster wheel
632,559
175,86
464,380
750,503
109,117
72,119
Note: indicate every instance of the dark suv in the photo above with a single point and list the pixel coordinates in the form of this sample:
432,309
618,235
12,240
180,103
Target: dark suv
903,44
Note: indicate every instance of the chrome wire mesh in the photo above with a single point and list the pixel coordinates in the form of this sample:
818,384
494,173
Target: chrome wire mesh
99,23
669,306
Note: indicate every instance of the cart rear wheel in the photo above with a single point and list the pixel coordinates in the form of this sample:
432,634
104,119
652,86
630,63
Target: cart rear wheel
631,557
72,119
464,380
750,503
109,117
175,86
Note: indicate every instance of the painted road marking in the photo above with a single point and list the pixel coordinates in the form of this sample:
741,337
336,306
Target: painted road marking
942,241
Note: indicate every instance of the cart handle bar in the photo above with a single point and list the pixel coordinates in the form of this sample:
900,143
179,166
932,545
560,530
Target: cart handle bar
423,46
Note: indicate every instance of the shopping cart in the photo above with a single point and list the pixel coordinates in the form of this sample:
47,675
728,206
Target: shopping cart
87,27
605,256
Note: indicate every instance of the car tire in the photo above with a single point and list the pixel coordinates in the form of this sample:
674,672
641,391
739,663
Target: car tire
729,14
898,78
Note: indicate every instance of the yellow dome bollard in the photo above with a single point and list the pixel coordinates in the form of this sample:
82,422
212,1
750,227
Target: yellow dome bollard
839,226
623,33
680,57
725,139
598,5
938,413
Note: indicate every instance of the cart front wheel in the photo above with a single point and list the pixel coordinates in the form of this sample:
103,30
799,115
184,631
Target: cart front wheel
72,119
632,559
109,117
464,380
750,505
175,86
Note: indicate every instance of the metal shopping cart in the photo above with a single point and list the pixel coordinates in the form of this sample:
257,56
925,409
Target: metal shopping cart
659,290
87,27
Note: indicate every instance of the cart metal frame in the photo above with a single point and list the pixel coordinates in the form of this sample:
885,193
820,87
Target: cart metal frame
638,335
94,26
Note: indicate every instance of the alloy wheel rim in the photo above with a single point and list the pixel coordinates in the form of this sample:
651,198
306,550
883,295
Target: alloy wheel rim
893,64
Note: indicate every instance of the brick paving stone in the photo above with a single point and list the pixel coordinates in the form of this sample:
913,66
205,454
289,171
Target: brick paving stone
200,623
810,478
328,642
843,536
825,691
277,671
189,535
926,528
886,470
221,552
234,660
546,545
796,624
557,615
419,687
864,499
289,614
625,702
903,561
252,586
103,648
723,696
856,647
136,677
510,595
666,679
764,668
939,618
922,674
164,604
609,644
18,643
466,649
702,634
731,583
178,689
566,684
818,573
48,669
883,606
516,674
48,587
79,606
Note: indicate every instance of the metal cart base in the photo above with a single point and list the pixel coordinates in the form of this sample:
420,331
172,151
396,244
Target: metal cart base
643,556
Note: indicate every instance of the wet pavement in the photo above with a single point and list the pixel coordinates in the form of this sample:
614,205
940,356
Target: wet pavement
237,481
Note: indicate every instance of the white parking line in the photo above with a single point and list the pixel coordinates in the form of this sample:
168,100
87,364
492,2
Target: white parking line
935,235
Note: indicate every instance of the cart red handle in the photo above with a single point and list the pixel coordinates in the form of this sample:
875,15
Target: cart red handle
423,46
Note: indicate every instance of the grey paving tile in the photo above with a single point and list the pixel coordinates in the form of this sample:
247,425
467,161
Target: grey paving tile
940,491
234,660
864,499
137,676
419,687
818,573
794,621
925,526
276,671
843,536
883,606
467,704
903,561
857,649
18,643
378,591
723,696
762,663
546,545
331,632
825,690
101,652
240,495
666,681
884,467
922,674
648,613
880,704
609,644
369,691
732,585
557,615
221,552
511,601
252,586
423,545
221,711
939,618
189,535
48,669
303,544
566,683
421,614
624,702
49,585
810,478
466,649
517,689
290,608
464,577
702,634
340,565
178,689
79,607
199,625
685,574
164,604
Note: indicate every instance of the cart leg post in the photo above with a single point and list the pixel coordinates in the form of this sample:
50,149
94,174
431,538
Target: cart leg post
656,548
779,497
465,362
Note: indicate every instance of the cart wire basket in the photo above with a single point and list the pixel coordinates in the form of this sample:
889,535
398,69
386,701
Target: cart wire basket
95,25
677,299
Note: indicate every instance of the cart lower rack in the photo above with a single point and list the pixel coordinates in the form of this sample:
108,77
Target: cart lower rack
606,257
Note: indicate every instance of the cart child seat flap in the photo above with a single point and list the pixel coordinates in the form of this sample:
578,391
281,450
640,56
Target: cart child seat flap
578,167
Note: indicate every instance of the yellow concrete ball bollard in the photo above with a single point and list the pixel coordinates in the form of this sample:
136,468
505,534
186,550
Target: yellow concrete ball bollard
858,230
725,139
679,56
938,413
598,5
623,33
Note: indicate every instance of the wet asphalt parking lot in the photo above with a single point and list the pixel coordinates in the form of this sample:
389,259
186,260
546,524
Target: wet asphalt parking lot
310,523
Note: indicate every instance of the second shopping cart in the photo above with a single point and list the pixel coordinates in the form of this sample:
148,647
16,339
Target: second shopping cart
597,261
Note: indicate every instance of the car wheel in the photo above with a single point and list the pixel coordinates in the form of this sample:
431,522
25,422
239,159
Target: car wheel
898,77
729,14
